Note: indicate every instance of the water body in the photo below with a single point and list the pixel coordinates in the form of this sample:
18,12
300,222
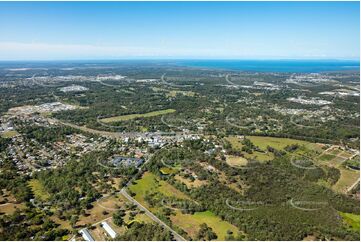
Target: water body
308,66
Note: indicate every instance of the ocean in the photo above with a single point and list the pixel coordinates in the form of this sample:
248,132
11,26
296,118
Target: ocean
307,66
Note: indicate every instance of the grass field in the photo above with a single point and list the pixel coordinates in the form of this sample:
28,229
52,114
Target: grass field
348,177
10,208
335,151
346,154
190,223
167,170
38,190
259,156
236,161
6,197
112,202
353,220
235,142
189,183
354,161
133,116
326,157
280,143
150,183
9,134
174,93
63,224
109,204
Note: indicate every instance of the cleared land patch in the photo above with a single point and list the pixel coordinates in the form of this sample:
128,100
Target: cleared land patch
133,116
10,208
353,220
174,93
280,143
190,223
332,158
96,214
348,177
167,170
189,183
39,190
236,160
9,134
150,183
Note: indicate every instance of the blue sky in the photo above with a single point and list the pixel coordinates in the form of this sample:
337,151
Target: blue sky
237,30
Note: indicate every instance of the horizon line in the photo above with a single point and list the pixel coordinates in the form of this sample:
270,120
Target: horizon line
189,58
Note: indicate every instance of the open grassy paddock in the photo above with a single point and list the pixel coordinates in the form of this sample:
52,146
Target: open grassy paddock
38,190
236,160
280,143
9,134
167,170
353,220
348,177
189,183
109,205
133,116
150,183
10,208
190,223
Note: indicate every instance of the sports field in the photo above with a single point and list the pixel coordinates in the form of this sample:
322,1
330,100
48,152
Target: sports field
136,115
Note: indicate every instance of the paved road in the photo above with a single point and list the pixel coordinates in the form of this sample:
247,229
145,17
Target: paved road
120,135
151,215
123,191
229,82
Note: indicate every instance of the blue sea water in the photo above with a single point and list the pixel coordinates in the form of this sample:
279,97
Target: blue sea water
308,66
